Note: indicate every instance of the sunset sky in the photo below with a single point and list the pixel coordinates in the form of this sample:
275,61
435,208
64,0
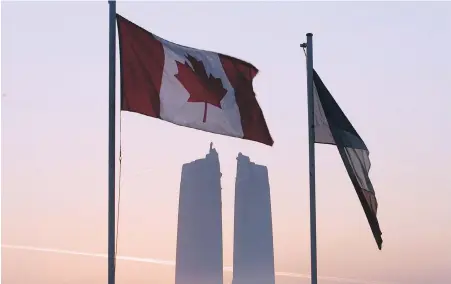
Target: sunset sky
387,64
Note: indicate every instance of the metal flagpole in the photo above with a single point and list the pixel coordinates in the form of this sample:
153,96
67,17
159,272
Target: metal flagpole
112,143
311,134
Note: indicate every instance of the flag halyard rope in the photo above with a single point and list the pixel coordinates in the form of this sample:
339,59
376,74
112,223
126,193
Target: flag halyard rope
119,191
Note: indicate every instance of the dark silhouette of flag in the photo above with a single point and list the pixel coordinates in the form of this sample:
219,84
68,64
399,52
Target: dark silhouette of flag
333,127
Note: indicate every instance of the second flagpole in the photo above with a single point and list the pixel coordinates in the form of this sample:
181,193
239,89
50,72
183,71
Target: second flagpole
311,135
112,143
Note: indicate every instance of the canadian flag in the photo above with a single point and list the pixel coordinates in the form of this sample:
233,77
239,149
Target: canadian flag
189,87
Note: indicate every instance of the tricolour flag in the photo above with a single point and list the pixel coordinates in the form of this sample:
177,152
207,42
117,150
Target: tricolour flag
333,127
189,87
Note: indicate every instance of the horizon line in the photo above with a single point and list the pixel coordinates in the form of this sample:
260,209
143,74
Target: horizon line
172,263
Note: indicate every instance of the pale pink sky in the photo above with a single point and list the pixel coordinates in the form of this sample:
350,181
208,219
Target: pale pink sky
387,64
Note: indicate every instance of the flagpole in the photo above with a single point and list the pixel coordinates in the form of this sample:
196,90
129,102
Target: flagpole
311,134
112,143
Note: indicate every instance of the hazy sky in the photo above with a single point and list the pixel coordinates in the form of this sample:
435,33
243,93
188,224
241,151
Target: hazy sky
387,64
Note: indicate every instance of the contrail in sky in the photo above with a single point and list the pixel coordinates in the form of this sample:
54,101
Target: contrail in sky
172,263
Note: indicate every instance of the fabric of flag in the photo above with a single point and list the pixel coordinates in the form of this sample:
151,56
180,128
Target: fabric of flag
189,87
333,127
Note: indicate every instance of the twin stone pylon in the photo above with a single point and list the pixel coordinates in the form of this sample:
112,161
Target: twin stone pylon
199,257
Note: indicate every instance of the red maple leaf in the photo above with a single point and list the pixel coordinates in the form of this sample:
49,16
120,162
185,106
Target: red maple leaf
201,88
